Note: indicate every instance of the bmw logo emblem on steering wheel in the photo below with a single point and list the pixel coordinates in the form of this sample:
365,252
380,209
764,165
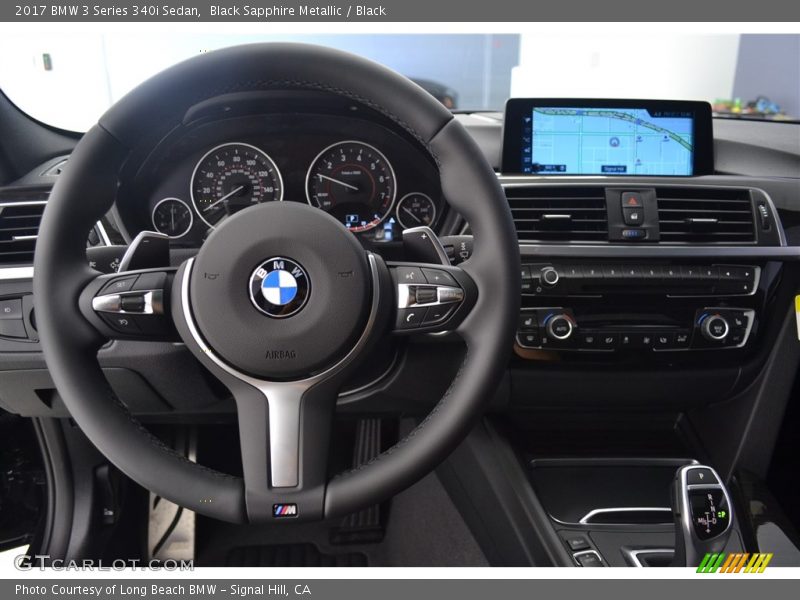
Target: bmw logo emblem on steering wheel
279,287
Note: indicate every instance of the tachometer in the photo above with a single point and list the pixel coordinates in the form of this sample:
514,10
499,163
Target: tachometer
231,177
354,182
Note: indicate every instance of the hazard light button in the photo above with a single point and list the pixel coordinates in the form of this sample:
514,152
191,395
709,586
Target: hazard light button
632,200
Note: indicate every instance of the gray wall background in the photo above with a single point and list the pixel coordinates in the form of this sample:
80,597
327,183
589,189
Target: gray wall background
769,65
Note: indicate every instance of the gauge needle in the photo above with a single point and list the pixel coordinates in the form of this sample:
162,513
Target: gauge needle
413,216
225,197
342,183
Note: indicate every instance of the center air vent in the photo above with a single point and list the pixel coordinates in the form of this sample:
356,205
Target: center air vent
705,215
547,214
20,215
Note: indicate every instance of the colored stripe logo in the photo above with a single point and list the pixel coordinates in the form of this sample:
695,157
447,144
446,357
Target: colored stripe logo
737,562
284,510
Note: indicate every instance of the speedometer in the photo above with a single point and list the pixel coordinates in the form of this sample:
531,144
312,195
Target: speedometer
231,177
354,182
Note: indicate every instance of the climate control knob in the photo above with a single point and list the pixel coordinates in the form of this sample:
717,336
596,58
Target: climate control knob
715,328
560,327
549,276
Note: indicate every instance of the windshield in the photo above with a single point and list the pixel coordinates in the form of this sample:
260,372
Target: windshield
69,80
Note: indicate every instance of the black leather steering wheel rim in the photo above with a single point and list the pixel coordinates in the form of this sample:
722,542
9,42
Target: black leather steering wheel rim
86,191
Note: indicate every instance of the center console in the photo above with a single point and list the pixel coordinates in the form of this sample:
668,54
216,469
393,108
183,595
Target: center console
645,307
619,512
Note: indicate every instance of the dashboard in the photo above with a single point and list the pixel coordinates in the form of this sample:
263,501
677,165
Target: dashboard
367,176
602,291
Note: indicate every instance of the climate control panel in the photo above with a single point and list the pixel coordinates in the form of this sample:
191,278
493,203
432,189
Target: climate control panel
558,328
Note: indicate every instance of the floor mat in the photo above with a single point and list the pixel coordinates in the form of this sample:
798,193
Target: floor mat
291,555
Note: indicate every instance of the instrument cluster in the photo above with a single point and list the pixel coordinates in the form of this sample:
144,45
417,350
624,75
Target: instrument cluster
371,179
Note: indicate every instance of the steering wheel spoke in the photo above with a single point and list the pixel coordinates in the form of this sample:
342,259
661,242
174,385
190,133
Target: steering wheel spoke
131,305
284,428
430,298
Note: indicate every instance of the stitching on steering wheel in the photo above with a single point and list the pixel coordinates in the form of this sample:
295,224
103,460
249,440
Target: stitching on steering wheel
158,442
416,430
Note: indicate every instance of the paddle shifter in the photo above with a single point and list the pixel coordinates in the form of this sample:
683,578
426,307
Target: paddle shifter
703,514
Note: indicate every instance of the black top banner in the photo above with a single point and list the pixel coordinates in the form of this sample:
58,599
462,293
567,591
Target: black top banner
440,11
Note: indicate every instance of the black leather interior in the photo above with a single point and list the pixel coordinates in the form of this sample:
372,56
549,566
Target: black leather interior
86,191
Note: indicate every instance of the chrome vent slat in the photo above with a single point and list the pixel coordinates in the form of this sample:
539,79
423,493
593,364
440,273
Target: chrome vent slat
20,215
715,215
546,214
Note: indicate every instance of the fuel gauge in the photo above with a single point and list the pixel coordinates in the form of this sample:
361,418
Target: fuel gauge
172,217
415,210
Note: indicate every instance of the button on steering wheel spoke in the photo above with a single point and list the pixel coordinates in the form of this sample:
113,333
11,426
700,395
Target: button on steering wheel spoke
430,298
130,305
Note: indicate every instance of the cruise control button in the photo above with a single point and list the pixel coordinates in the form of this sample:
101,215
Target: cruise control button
121,323
409,275
439,277
437,314
150,281
133,303
120,284
11,309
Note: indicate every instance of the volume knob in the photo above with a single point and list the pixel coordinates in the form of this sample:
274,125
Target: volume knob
549,276
715,328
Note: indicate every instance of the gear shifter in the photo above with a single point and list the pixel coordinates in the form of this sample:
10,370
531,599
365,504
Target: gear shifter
703,514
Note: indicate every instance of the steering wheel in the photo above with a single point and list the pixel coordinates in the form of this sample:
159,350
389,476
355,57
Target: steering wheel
280,303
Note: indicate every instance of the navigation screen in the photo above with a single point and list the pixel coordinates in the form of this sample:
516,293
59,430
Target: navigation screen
607,141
